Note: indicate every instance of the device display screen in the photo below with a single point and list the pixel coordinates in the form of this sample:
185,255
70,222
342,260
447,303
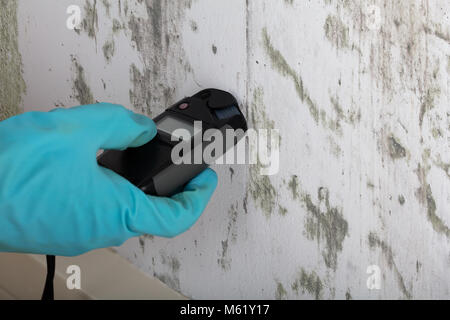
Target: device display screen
169,124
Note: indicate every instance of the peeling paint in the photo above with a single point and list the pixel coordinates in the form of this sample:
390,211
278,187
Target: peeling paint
12,84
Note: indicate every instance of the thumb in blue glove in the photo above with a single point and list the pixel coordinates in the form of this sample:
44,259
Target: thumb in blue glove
55,198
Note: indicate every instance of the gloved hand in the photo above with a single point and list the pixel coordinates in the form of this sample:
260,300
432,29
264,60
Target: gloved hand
55,198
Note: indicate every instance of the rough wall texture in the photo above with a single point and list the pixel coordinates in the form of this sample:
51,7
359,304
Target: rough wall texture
12,85
358,89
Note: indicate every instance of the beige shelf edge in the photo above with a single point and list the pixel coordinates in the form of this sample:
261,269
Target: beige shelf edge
104,275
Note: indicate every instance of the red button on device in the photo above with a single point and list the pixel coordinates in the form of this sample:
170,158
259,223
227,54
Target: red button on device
183,106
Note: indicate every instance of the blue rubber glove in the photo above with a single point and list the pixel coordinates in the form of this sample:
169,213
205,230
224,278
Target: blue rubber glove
55,198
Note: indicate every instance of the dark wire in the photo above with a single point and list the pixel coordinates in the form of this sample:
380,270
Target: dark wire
48,293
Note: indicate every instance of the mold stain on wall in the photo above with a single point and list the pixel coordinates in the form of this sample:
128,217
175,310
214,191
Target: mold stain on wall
89,24
280,291
157,39
396,150
82,91
109,50
323,222
260,187
169,277
428,102
224,261
386,250
280,64
308,282
12,84
320,116
142,239
396,58
336,32
262,190
425,196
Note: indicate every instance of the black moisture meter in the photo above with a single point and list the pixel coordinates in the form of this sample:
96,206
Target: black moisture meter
151,167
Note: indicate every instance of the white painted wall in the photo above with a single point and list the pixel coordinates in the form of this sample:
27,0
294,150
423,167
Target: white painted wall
362,105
